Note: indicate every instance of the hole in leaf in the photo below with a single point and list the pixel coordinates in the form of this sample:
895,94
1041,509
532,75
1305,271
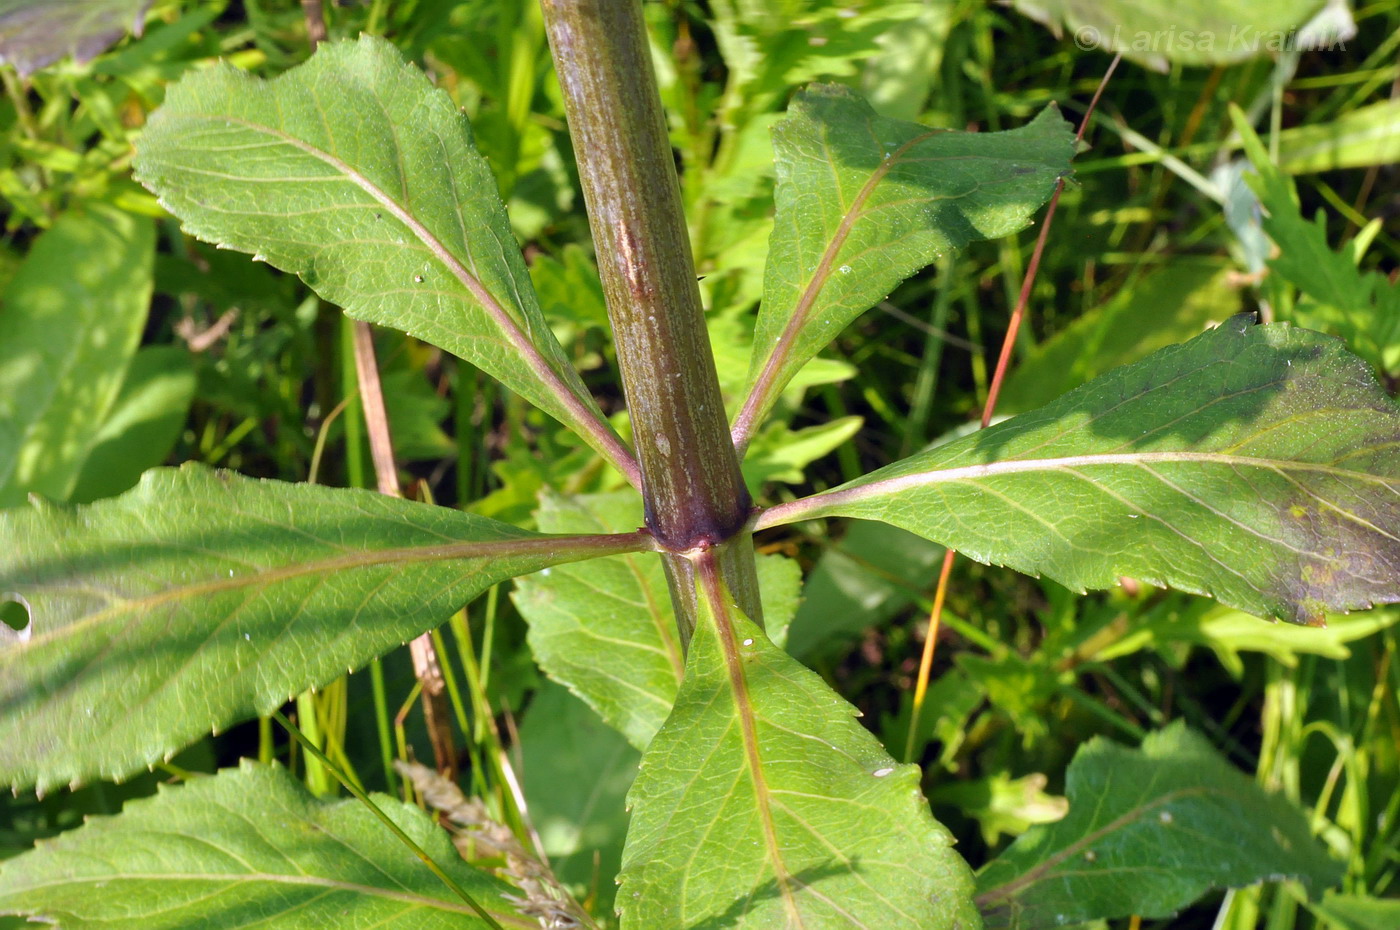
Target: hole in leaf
14,618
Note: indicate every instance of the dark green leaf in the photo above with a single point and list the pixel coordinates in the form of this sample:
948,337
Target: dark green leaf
863,202
202,598
354,172
575,774
248,847
1256,464
1148,831
763,803
873,572
1169,304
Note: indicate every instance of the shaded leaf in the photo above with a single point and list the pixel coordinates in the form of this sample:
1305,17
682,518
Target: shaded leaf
202,598
762,803
1362,307
70,320
247,846
872,573
143,425
1149,830
1256,464
36,33
1167,305
354,172
607,629
863,202
575,772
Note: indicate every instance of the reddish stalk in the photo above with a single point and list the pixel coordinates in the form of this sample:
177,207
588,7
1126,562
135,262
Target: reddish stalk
381,448
1013,328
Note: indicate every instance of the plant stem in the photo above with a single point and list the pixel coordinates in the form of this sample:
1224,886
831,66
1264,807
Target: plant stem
694,493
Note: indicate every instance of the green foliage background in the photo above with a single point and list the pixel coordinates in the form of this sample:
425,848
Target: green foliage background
233,364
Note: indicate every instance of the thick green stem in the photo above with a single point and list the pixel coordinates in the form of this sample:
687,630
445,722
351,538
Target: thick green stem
695,495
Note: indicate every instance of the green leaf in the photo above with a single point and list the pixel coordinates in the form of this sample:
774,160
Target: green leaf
247,847
1167,305
872,573
202,598
607,629
355,173
145,421
1256,464
575,773
70,319
863,202
1358,138
1359,912
1362,307
763,803
1228,633
36,33
1149,831
1191,32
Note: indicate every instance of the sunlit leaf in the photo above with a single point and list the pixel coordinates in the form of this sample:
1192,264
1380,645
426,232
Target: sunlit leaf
1148,831
354,172
864,201
202,598
248,847
70,320
1257,464
762,803
1360,912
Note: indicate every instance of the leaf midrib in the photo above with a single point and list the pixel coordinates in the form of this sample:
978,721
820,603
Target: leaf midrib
807,507
766,384
720,605
573,547
578,410
314,881
1043,869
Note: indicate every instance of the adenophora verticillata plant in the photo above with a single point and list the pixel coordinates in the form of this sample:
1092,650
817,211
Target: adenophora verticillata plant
1255,463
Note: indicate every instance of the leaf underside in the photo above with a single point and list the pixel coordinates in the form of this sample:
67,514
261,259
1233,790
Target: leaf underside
355,173
864,201
202,598
1259,464
1148,831
762,803
247,847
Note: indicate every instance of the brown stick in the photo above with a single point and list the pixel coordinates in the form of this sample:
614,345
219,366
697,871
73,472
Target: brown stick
1003,361
381,447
